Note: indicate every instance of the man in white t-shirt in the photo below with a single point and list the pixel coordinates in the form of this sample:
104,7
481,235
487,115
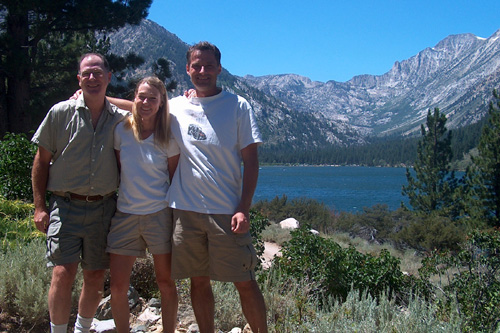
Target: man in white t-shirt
216,132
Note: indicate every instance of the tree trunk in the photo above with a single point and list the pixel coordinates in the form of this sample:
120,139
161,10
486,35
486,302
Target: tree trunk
18,72
18,104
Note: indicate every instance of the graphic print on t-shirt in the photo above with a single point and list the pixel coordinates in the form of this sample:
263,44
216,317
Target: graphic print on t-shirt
196,132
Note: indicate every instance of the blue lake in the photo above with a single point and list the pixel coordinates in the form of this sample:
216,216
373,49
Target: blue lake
342,188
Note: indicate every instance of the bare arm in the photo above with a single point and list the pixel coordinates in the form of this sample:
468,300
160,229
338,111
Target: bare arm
123,104
39,179
172,166
241,221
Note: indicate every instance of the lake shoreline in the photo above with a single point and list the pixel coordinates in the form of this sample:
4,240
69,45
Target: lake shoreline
340,188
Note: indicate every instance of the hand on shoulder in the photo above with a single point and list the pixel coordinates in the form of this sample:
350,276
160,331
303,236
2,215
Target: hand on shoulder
190,93
76,94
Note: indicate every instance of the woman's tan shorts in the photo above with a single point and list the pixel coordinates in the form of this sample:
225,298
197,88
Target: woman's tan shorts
131,234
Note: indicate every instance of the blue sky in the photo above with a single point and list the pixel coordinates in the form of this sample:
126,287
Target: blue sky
322,39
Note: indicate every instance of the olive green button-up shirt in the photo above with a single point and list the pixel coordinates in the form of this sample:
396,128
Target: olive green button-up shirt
83,159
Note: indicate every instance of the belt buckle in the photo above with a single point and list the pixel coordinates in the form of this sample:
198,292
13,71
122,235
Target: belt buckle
87,198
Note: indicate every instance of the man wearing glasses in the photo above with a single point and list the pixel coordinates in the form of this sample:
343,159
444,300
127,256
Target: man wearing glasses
75,161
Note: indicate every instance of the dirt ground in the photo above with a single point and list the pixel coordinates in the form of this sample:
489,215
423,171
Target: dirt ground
271,250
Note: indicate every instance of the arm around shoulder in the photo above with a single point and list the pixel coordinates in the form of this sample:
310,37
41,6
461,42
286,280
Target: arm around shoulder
123,104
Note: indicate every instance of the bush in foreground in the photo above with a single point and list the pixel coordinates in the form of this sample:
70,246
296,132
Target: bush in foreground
335,271
24,282
471,280
16,160
16,224
291,310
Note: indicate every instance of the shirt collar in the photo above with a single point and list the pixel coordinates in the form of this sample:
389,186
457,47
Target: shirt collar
80,103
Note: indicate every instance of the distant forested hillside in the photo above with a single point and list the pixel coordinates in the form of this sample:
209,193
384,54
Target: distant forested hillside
389,151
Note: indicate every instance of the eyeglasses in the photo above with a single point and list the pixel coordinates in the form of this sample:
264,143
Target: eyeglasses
96,73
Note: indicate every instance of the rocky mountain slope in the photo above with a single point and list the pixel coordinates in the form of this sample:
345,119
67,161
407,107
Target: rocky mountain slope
457,75
279,124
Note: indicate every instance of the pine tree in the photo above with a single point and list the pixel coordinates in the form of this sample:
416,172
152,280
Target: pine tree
432,188
483,177
29,27
161,68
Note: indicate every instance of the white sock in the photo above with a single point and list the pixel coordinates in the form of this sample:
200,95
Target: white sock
62,328
82,325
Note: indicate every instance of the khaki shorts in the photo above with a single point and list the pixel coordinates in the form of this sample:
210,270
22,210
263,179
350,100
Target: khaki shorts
78,232
131,234
204,245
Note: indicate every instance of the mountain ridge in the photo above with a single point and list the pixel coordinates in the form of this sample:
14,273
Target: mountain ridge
457,75
460,68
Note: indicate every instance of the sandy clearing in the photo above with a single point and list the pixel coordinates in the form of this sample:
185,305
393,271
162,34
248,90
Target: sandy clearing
271,250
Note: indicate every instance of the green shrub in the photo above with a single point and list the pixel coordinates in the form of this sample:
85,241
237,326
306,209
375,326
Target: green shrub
16,224
432,232
375,223
24,283
402,228
15,208
361,312
257,224
228,312
336,270
291,310
472,280
378,217
16,160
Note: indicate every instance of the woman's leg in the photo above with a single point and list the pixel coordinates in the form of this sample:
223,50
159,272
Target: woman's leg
120,267
168,291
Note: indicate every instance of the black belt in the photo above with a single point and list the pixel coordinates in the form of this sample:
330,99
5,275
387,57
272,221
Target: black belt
88,198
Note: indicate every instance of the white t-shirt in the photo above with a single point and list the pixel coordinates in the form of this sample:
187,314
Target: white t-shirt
210,132
144,180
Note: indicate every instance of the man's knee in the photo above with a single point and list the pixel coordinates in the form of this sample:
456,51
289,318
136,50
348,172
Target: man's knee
248,289
249,285
63,275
